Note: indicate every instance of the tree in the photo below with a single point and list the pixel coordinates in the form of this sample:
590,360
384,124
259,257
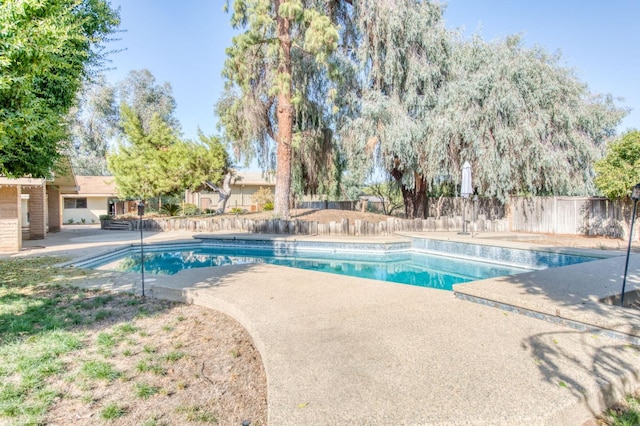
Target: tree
46,49
157,162
224,191
259,106
403,57
619,170
143,164
431,101
140,91
389,195
206,160
93,124
95,118
526,124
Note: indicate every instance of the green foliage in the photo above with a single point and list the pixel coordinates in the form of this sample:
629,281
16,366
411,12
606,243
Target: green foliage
174,356
204,160
46,48
190,209
171,209
506,100
262,197
93,123
389,194
152,160
194,413
626,414
268,206
619,170
142,165
141,93
422,115
145,391
112,411
99,370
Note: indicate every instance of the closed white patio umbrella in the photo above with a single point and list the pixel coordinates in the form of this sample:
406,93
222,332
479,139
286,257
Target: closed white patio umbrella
466,189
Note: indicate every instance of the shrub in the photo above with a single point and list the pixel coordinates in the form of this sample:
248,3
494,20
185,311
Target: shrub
237,210
105,217
262,197
70,221
268,206
170,209
190,209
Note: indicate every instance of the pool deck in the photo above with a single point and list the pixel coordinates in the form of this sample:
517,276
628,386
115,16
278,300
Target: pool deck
345,350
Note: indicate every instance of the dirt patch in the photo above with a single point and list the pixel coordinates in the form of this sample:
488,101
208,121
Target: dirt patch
320,216
172,364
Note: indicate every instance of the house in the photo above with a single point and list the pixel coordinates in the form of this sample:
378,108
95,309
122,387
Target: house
95,196
243,186
31,207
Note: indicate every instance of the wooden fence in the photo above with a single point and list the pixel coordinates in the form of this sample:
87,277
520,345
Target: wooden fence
324,205
571,215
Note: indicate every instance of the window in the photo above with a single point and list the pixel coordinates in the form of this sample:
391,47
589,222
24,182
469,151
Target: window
75,203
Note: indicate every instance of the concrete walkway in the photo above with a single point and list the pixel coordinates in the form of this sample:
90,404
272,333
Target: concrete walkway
343,350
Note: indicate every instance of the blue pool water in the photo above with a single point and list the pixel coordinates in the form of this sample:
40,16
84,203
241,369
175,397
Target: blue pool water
404,267
422,262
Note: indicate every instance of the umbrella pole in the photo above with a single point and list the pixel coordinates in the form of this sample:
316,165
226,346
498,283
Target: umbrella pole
464,222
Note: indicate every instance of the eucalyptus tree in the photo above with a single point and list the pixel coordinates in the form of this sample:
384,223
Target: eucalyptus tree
147,98
46,49
266,100
93,125
619,170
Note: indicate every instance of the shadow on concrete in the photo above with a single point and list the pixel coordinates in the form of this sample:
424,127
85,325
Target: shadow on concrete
613,373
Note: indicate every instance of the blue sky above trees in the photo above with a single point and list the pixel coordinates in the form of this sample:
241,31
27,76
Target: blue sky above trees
184,43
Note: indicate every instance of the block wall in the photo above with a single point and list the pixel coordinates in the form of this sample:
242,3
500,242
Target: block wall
10,226
53,201
37,212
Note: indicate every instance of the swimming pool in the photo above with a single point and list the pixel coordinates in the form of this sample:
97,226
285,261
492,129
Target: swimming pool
406,263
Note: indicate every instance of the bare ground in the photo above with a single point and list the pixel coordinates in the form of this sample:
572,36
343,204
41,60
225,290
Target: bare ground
176,365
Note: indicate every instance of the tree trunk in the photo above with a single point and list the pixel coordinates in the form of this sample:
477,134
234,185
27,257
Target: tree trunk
415,199
224,193
285,119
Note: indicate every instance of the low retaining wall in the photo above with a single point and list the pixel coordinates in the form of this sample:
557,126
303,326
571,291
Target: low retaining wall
303,227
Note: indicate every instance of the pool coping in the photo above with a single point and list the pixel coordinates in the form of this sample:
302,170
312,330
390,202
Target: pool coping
552,295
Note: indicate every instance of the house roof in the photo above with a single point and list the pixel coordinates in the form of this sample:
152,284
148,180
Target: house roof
255,178
96,185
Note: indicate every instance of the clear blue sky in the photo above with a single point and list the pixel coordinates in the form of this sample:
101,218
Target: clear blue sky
183,42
